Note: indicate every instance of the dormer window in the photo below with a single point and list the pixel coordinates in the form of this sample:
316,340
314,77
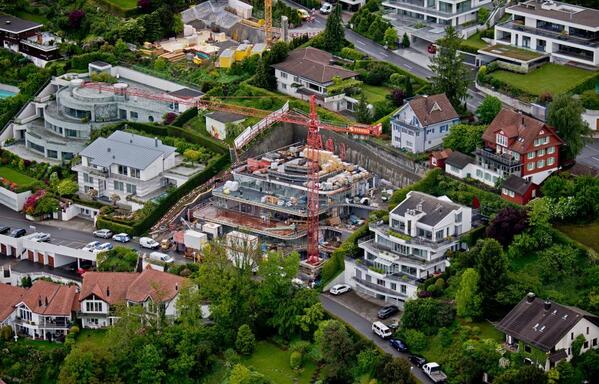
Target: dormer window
501,140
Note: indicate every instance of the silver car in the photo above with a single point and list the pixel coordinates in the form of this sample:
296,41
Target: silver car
103,233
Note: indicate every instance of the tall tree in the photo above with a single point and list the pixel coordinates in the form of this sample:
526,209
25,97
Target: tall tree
564,114
334,32
507,223
391,37
464,138
488,109
492,271
336,348
450,73
394,371
363,114
467,297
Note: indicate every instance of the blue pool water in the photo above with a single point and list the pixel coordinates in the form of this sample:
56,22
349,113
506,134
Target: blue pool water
4,94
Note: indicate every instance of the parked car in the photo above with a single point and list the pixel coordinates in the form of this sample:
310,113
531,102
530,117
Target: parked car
91,246
418,361
381,330
103,247
163,257
121,237
398,345
338,289
434,372
326,8
303,14
103,233
18,232
41,236
387,311
148,242
4,229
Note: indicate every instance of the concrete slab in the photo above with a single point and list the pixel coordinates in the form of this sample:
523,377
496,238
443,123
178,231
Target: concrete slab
76,224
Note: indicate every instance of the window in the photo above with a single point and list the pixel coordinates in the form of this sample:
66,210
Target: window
71,132
430,131
134,172
530,166
541,141
134,115
541,152
122,170
52,154
284,86
586,344
85,178
479,173
151,119
403,289
394,286
444,128
550,150
380,282
531,155
119,186
540,163
551,161
501,140
527,348
439,235
93,306
131,188
283,75
122,114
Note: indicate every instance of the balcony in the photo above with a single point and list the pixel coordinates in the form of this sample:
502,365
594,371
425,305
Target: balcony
503,159
385,230
551,34
415,7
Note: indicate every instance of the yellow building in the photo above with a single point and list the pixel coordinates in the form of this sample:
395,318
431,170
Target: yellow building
243,51
226,59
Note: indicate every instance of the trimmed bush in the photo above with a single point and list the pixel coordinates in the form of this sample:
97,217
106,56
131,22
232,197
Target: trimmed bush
185,117
115,227
295,360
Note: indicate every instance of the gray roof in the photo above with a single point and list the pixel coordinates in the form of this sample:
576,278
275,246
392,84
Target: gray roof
560,11
126,149
186,93
99,63
13,24
516,184
434,209
541,327
225,117
458,160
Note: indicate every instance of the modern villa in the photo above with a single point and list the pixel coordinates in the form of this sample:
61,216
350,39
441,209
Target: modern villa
448,12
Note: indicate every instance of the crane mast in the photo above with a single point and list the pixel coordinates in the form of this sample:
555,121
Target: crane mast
268,22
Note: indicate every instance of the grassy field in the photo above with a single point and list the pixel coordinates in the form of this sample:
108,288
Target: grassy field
374,93
16,177
91,336
273,362
125,4
586,234
41,345
474,42
31,17
553,78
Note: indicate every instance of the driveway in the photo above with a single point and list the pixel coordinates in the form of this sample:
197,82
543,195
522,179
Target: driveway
365,308
589,155
336,307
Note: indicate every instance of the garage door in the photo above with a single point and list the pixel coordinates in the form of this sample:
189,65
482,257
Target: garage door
50,261
40,258
3,249
30,255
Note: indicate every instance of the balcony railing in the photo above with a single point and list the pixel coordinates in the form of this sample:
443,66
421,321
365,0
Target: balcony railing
590,42
503,159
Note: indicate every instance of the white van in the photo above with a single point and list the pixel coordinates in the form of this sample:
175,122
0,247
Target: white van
381,330
162,257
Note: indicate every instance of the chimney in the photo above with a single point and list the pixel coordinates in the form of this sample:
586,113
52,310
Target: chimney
176,286
530,297
547,305
46,301
107,291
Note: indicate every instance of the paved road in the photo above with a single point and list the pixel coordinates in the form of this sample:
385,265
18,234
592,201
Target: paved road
64,236
363,326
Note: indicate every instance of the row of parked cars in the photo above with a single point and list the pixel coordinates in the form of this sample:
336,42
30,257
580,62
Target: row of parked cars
144,242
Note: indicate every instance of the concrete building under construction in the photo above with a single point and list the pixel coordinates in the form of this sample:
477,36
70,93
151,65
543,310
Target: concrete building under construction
267,197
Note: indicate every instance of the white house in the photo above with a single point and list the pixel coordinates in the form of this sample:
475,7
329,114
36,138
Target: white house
309,71
448,12
411,247
544,331
156,291
422,123
10,296
126,164
216,123
569,33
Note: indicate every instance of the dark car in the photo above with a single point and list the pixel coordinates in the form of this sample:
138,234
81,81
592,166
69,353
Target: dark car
418,361
398,345
4,229
18,232
387,310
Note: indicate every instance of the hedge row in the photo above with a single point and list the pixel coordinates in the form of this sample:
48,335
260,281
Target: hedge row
185,117
117,10
585,86
81,61
115,227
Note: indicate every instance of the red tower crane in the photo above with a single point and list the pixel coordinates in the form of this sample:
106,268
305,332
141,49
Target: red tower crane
313,141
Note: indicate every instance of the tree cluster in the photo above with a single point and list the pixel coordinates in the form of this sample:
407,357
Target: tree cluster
368,22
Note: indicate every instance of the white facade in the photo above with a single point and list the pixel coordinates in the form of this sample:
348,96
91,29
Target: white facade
13,200
567,32
409,248
448,12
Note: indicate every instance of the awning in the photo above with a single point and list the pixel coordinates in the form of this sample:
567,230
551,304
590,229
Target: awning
384,262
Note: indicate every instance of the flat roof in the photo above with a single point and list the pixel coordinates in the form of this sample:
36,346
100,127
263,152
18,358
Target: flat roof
560,11
507,51
13,24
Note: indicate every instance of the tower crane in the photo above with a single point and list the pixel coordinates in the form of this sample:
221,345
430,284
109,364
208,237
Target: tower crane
268,22
313,141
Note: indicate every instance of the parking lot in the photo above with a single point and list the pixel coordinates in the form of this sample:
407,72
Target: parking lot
367,309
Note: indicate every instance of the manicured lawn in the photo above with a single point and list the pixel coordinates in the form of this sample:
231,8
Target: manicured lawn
273,362
91,336
374,93
41,345
554,78
475,42
587,234
16,177
125,4
31,17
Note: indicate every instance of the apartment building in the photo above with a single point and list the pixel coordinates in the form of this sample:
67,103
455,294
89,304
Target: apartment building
26,37
422,123
101,292
127,165
543,331
411,247
58,122
309,71
446,12
514,144
569,33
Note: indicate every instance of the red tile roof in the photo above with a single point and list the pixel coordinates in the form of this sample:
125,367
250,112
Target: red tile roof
520,129
9,297
108,286
433,109
160,286
50,298
313,64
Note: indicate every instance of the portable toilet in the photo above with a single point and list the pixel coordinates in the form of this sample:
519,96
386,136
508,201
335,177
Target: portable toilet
225,60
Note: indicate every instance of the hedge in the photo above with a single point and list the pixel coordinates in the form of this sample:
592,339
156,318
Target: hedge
185,117
115,227
81,61
423,185
89,203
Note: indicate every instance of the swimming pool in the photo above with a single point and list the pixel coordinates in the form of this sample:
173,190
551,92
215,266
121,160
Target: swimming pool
4,94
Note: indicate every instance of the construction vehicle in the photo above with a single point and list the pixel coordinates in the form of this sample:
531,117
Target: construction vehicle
313,141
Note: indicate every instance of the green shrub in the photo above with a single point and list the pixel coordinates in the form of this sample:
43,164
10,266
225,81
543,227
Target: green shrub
590,99
119,259
415,340
301,346
185,117
295,360
352,54
246,341
105,223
